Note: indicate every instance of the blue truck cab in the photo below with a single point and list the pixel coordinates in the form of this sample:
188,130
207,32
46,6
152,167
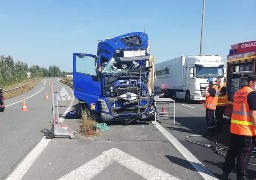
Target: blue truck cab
113,85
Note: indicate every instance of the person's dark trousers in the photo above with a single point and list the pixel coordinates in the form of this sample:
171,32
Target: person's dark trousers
210,121
219,112
240,148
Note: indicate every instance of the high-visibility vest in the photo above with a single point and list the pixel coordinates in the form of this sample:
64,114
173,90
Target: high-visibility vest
222,100
211,102
241,122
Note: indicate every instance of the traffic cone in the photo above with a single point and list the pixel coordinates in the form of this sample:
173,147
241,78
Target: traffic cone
46,96
24,106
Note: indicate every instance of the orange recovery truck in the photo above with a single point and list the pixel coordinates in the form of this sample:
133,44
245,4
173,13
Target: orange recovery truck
241,61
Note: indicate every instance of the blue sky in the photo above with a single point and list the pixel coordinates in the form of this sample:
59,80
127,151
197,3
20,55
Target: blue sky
47,32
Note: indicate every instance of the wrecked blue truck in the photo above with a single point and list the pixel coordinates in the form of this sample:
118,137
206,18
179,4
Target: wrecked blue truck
115,84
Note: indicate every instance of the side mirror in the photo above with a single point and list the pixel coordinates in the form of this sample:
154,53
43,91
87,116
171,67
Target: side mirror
192,72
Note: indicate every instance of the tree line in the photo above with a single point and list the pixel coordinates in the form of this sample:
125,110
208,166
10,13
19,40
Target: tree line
12,71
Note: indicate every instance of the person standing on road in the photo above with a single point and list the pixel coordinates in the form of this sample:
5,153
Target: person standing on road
210,106
220,109
243,130
219,84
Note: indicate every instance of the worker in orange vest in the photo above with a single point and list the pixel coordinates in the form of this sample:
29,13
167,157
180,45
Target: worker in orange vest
221,105
210,106
243,130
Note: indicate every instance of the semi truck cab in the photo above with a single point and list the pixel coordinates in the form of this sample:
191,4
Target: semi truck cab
113,84
185,77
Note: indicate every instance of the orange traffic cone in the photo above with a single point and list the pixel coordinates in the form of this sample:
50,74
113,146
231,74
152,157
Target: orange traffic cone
24,106
46,96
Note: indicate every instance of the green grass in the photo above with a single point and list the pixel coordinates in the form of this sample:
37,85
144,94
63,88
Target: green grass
88,126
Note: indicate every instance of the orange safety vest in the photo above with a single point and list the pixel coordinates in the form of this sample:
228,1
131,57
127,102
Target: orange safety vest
241,122
211,102
222,100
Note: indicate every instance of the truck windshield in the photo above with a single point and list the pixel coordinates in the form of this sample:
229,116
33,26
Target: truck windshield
205,72
111,68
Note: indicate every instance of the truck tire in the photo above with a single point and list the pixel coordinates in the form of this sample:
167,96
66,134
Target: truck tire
173,95
166,94
187,96
2,109
82,107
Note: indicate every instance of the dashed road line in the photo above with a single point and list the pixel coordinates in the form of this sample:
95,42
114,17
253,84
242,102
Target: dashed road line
187,106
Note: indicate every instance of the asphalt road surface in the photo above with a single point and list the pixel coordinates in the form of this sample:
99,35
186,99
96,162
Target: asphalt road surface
141,150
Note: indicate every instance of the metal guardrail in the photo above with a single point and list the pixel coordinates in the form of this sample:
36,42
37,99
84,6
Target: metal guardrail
16,88
22,86
70,84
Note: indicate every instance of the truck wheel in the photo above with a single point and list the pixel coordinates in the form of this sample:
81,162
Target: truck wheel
82,107
173,95
187,96
166,94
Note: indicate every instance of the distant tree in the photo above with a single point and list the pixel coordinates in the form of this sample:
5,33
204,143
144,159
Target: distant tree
45,72
12,72
54,71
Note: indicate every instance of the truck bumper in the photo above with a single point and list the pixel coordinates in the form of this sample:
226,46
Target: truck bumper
123,117
198,96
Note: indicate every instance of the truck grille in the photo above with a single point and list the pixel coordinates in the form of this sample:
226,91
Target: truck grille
202,88
130,107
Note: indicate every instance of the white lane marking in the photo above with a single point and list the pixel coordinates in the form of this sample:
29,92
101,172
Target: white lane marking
187,105
98,164
26,97
89,169
140,167
203,171
29,160
21,170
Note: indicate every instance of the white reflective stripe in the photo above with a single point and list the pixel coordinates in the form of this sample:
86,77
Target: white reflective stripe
242,113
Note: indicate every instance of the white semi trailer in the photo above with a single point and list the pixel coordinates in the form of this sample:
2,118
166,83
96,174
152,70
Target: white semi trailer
185,77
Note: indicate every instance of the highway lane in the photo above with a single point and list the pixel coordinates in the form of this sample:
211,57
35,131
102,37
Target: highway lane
190,120
135,151
20,131
142,141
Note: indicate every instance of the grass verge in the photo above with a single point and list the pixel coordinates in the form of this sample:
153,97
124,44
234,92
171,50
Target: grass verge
88,126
